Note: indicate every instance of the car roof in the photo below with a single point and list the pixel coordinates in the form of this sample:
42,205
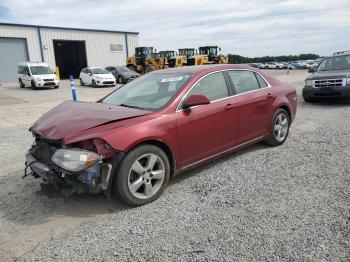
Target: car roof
341,53
202,68
32,64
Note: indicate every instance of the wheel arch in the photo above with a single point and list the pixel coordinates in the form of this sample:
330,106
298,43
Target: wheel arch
165,148
285,107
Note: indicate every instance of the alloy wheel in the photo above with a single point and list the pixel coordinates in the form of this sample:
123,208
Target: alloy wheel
281,127
146,176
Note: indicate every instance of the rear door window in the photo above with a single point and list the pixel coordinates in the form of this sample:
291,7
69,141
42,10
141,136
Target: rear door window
243,81
261,81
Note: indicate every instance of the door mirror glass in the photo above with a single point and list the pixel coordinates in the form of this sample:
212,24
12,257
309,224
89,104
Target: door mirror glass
195,100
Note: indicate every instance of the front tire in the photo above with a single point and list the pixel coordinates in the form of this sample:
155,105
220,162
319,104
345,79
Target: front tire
21,85
81,82
33,85
149,68
280,128
142,176
308,99
120,80
94,83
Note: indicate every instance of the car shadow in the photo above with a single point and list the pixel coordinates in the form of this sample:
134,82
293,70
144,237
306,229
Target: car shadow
216,161
23,202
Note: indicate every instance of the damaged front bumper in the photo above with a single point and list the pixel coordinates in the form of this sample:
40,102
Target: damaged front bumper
55,181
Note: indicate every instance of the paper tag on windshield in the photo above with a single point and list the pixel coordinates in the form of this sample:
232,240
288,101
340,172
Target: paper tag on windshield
171,79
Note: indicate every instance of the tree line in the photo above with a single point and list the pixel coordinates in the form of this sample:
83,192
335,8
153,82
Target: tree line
237,59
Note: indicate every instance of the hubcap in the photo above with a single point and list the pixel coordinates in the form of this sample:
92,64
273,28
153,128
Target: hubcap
146,176
281,127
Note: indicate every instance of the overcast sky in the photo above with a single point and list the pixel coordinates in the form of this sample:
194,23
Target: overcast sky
247,27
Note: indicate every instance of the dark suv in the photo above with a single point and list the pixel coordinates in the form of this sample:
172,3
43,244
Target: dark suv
331,79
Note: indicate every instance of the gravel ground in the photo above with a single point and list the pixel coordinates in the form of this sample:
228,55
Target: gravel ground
287,203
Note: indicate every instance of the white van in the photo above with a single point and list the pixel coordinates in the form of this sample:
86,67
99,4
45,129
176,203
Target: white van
36,75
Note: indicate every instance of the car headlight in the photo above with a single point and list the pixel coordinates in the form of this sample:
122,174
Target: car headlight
348,81
38,79
308,82
99,78
75,160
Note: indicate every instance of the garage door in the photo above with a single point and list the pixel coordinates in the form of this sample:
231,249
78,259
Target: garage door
12,51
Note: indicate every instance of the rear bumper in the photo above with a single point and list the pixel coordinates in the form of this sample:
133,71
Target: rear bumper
341,92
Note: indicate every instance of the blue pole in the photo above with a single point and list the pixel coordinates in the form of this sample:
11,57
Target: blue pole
74,94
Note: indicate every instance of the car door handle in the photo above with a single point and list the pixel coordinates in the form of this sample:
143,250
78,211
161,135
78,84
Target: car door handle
229,106
269,95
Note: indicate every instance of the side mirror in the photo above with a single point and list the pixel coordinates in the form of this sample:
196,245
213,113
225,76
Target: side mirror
90,74
195,100
311,70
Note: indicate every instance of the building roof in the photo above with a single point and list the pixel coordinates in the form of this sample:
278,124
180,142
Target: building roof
68,28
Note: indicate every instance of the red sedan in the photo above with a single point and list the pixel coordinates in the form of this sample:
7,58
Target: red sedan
132,141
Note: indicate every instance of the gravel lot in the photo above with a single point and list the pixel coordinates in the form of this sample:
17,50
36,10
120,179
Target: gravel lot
287,203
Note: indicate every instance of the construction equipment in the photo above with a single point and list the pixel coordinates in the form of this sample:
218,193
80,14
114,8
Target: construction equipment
213,56
145,60
181,59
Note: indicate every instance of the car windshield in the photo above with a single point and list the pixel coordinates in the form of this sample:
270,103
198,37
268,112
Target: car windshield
335,63
40,70
150,92
123,69
100,71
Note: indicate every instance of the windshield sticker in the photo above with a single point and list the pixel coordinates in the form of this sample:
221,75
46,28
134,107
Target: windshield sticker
171,79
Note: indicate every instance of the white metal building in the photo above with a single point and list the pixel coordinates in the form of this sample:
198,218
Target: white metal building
70,49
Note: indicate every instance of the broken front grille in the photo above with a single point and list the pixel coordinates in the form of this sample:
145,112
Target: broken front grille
332,83
43,149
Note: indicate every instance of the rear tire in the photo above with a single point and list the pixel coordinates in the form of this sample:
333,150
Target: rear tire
142,175
279,129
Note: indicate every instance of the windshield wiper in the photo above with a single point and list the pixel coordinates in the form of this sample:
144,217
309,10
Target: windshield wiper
130,106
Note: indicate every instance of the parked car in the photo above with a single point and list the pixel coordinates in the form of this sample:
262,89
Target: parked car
272,65
256,65
296,65
36,75
132,141
122,73
331,79
286,65
96,76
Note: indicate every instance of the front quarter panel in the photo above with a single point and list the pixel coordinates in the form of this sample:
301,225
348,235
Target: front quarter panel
161,128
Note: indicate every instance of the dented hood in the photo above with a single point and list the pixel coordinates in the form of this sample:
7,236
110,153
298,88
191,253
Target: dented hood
70,118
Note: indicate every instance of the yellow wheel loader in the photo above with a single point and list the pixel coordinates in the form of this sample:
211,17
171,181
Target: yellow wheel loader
145,60
182,58
213,55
